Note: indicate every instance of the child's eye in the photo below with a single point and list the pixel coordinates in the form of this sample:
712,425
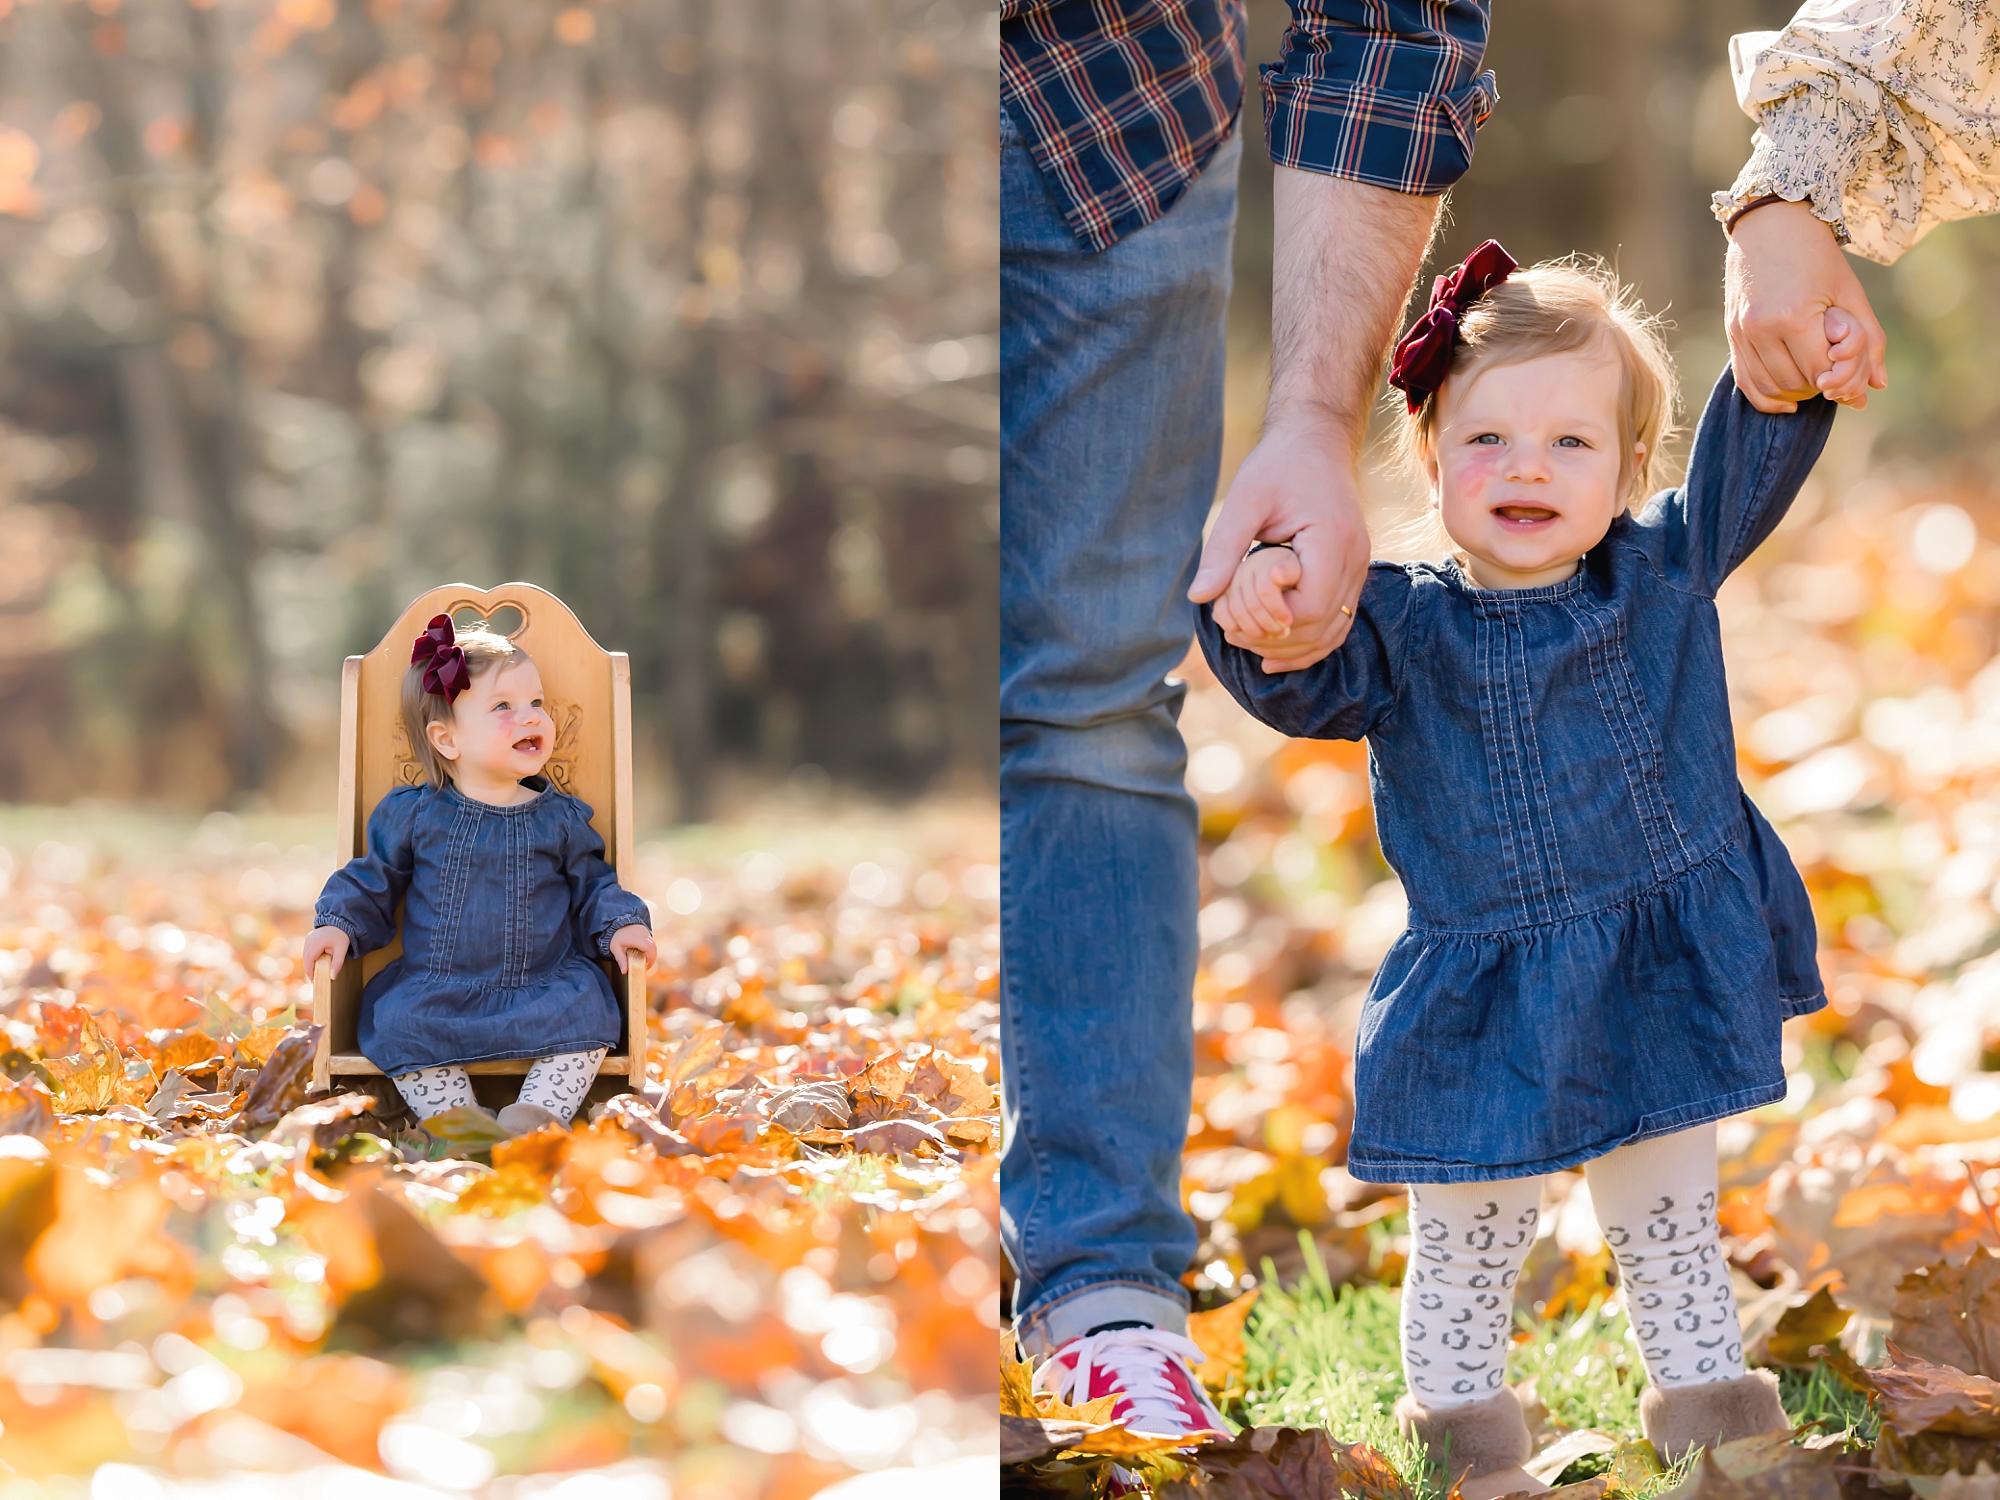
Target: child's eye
1571,442
1488,438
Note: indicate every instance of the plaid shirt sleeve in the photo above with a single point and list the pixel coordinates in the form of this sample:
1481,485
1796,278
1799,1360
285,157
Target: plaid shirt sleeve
1122,102
1387,92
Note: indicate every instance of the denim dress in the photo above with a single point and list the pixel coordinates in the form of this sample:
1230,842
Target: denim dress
1604,933
503,908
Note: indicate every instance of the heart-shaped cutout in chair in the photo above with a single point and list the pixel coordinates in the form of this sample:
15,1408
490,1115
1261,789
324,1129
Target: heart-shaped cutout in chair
589,697
506,619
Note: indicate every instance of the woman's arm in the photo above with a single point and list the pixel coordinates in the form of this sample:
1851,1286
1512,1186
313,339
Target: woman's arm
1878,119
1879,114
361,897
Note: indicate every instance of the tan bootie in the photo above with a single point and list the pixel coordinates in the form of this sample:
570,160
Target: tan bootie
525,1119
1678,1418
1481,1446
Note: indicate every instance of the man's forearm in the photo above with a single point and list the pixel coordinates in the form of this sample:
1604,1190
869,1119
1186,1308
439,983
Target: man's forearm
1343,258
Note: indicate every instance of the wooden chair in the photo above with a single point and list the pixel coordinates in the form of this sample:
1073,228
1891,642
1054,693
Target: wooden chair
590,701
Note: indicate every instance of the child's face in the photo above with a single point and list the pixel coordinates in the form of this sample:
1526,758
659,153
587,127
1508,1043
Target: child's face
1527,468
498,731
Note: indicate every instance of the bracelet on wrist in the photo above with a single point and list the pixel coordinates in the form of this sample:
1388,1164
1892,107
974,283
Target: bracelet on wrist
1736,213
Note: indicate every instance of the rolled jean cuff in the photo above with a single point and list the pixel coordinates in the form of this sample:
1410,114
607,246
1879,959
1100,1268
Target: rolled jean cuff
1046,1327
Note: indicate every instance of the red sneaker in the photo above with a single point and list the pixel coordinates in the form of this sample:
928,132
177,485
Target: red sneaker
1147,1369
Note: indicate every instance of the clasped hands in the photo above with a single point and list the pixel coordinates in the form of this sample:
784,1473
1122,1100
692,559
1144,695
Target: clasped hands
1799,322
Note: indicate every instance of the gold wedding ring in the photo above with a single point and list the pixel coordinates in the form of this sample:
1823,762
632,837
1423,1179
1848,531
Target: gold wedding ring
1346,611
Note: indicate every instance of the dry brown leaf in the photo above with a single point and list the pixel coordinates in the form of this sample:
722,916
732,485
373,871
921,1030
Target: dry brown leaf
284,1078
1917,1395
90,1077
1767,1467
1817,1320
24,1110
1025,1439
1298,1463
1950,1314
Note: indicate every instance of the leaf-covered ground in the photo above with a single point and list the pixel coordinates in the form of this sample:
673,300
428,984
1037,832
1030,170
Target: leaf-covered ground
773,1271
1867,705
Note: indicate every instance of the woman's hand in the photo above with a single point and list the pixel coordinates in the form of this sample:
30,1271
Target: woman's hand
1784,272
326,942
630,939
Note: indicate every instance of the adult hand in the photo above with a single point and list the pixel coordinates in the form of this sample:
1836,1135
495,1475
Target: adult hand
1298,485
1342,257
1783,272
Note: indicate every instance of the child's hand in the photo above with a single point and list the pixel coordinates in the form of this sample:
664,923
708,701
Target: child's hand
1848,381
326,942
630,939
1254,612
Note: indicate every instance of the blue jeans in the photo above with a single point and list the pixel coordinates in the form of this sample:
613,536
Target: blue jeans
1111,388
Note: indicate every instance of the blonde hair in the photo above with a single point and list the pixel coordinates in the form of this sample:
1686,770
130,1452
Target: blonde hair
485,651
1558,307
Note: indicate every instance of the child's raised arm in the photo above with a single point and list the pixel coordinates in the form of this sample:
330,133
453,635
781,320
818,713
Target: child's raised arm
1743,473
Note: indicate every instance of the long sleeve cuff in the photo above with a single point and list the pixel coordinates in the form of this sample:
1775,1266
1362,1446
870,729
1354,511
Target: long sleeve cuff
1805,151
1419,143
325,917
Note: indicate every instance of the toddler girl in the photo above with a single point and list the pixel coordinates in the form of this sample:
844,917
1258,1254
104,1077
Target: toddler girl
504,890
1604,934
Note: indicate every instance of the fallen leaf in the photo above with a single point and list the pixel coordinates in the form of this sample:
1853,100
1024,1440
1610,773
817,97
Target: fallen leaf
24,1111
1916,1395
1817,1320
283,1080
1017,1391
105,1229
1298,1463
639,1118
1566,1450
1766,1467
893,1137
1218,1333
1950,1314
818,1105
319,1122
1024,1439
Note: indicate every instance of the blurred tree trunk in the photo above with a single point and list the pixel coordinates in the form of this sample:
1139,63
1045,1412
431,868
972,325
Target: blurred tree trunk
191,451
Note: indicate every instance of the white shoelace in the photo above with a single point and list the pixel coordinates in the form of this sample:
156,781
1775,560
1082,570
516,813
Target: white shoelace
1136,1359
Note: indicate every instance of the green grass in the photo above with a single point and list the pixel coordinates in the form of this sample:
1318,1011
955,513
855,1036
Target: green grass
1316,1355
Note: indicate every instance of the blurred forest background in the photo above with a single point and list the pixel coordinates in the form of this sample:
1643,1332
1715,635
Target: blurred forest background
684,309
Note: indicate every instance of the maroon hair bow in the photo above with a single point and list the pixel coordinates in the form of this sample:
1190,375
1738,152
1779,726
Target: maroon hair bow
1423,355
442,659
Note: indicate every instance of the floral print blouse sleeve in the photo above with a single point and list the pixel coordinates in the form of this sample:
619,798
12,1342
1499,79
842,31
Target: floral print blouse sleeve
600,903
361,897
1343,696
1882,115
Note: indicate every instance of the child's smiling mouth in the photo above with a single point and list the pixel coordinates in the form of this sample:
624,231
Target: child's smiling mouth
529,744
1517,517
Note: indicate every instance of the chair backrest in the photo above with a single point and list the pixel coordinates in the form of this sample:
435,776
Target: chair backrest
588,693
